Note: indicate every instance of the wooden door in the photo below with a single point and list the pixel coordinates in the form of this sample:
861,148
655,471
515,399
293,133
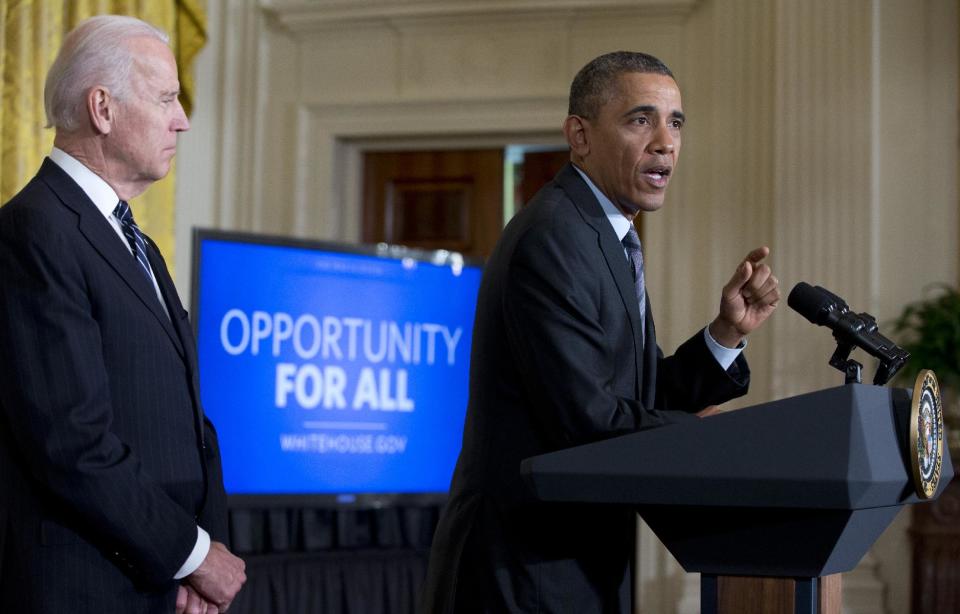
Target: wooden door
540,166
449,200
537,169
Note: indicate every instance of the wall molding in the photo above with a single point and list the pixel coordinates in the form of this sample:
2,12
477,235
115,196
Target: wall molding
331,139
305,15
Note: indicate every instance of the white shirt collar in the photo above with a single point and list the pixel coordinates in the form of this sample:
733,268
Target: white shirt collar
96,189
621,225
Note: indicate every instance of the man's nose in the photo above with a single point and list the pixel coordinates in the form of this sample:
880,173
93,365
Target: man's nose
662,141
180,121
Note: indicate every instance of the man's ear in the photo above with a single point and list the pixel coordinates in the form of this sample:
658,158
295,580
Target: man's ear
101,109
576,130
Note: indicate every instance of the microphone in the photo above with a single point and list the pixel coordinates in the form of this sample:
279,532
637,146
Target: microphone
825,308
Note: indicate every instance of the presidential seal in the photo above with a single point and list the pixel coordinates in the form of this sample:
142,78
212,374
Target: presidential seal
926,434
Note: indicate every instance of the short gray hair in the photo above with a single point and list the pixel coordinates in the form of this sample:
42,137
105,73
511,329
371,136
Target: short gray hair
94,53
594,84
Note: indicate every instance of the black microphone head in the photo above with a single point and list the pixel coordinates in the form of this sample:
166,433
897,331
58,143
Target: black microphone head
815,303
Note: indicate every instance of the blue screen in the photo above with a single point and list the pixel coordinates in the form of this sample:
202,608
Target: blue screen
330,372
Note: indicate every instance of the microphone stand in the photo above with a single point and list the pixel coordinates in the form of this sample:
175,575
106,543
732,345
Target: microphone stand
852,370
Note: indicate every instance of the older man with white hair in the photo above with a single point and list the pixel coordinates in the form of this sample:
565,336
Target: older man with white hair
111,495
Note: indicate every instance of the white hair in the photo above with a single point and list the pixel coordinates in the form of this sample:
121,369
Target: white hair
94,53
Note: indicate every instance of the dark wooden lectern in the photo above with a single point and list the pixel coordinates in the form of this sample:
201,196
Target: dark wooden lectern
768,503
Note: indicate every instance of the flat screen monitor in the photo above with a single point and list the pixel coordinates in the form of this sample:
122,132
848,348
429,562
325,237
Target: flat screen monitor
335,373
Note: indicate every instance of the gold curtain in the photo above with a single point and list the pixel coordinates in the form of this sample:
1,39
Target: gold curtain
30,35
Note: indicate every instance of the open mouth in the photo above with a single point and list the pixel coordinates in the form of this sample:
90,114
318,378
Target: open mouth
657,175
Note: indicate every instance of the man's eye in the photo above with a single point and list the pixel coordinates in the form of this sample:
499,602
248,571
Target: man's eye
676,124
641,120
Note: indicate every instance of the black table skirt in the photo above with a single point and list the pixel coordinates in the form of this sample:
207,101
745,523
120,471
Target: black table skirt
321,561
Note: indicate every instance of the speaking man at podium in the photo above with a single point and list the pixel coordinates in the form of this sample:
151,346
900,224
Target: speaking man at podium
565,353
111,496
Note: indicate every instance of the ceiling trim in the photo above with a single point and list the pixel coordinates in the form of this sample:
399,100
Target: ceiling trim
309,15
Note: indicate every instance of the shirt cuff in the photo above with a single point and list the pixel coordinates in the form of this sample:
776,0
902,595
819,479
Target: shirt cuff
200,550
724,355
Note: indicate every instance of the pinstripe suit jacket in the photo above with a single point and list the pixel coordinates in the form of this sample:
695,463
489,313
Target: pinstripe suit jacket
106,461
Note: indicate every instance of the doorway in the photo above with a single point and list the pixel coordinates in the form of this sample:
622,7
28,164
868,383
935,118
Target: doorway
452,199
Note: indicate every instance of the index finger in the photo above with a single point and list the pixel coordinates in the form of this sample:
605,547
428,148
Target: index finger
758,254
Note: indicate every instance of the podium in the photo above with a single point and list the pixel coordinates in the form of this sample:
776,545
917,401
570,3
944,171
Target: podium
769,503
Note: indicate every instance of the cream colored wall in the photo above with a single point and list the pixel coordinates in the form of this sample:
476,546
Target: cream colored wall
827,130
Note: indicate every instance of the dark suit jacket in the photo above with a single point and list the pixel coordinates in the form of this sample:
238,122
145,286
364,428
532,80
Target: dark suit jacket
107,463
557,360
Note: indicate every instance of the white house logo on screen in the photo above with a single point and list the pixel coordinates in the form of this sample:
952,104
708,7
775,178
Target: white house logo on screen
926,434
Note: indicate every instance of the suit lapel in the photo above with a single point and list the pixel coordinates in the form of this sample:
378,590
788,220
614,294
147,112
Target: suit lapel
105,241
181,326
613,253
174,307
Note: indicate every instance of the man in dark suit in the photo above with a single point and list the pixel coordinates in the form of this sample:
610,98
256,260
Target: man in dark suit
111,495
565,353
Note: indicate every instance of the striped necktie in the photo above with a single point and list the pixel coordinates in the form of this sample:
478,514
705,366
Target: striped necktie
134,237
631,243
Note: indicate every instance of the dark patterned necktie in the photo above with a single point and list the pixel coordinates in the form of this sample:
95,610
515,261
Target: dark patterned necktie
134,237
631,243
